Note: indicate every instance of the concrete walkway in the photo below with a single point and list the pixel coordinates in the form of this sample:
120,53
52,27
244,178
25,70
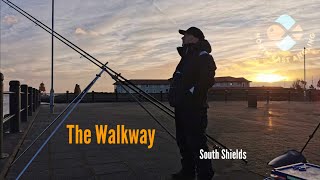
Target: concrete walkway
263,133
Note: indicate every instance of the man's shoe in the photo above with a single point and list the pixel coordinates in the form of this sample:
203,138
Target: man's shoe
182,175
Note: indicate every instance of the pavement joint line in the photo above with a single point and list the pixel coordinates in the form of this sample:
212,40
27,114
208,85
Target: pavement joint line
7,165
50,160
87,165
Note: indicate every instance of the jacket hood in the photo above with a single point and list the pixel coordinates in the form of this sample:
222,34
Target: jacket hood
203,45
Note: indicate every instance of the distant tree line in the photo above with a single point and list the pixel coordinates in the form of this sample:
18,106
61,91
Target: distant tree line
299,85
77,89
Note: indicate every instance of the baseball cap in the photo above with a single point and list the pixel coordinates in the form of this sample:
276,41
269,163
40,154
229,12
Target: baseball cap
196,32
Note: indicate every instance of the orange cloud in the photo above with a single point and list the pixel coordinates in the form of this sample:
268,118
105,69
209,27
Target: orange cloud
81,31
10,20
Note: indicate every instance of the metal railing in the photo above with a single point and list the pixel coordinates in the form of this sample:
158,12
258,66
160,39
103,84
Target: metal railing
285,94
23,101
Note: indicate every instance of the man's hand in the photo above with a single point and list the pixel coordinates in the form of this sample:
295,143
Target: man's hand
191,89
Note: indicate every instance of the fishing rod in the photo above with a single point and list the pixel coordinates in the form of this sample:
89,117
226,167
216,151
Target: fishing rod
292,156
208,136
213,144
122,84
58,36
61,122
49,30
85,54
65,109
310,137
62,39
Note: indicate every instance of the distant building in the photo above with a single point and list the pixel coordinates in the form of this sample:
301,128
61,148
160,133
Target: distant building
147,85
158,85
231,82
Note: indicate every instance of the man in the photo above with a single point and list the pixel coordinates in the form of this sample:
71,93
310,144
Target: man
193,77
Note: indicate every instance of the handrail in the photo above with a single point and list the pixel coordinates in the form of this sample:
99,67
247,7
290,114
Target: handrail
8,92
21,105
8,118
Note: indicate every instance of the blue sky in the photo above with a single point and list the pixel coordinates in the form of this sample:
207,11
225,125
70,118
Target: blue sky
139,38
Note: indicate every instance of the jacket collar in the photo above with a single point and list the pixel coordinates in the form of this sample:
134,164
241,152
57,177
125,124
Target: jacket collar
187,49
203,45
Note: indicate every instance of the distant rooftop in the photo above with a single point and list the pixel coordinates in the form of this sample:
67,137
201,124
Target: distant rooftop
230,79
167,81
148,82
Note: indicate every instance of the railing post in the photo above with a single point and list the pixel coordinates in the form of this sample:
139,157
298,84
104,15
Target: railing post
67,97
116,91
225,95
34,99
268,96
252,101
289,95
30,100
310,95
2,155
1,112
39,98
161,96
247,92
15,106
24,102
93,96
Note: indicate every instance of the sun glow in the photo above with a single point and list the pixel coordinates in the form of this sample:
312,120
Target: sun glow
269,78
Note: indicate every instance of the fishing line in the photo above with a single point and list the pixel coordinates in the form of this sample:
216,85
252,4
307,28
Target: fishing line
61,122
75,99
85,54
49,30
154,118
62,39
0,34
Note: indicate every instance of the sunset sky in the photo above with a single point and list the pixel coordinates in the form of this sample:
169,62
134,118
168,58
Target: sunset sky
139,38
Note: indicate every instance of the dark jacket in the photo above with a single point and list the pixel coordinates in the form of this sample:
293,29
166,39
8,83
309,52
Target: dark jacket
195,72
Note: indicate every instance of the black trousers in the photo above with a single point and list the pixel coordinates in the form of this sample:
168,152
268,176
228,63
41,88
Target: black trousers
191,127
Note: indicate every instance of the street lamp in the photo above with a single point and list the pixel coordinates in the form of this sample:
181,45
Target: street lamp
51,90
304,73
